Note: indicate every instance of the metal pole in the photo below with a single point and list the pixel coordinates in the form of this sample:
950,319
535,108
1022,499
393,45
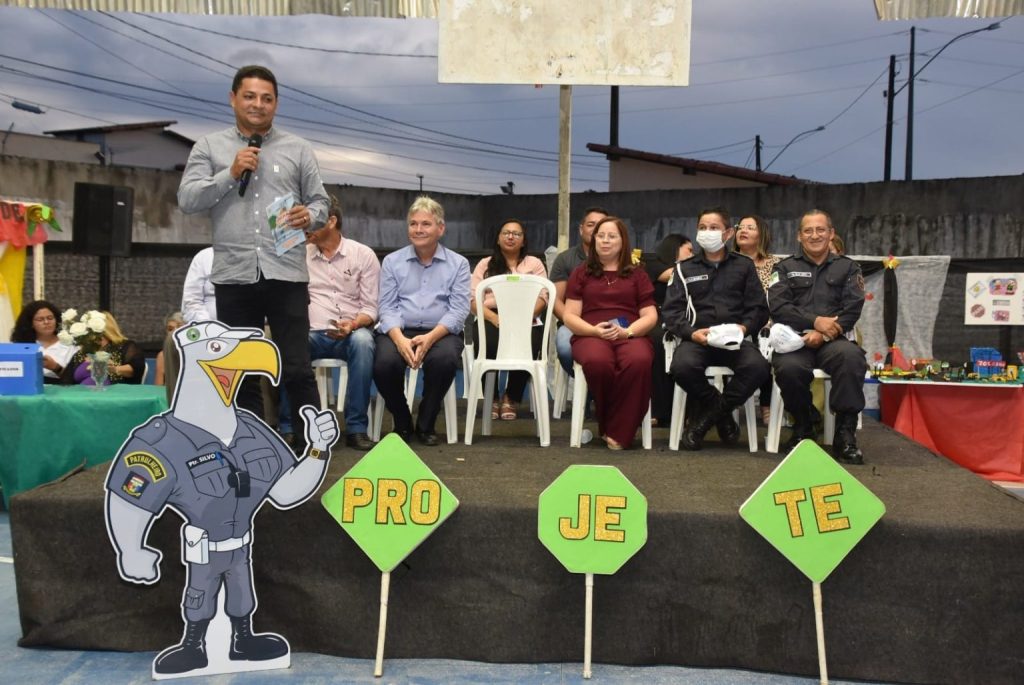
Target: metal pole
564,163
890,96
613,133
757,152
909,175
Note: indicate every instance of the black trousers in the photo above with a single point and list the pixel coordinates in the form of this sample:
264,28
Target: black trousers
442,361
284,305
841,359
691,360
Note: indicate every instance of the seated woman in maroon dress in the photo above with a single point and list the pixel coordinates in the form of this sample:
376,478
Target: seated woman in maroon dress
609,307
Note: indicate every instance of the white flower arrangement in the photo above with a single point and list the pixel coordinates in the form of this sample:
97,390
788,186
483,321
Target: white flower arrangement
86,332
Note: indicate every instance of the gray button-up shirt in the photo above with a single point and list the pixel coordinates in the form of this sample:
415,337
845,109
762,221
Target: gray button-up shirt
242,243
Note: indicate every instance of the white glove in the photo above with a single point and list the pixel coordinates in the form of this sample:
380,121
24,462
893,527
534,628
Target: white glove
139,566
321,428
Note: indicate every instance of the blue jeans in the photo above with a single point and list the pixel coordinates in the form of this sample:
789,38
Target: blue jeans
563,347
357,351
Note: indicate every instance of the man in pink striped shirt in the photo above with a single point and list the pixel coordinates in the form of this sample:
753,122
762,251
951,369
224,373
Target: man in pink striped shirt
344,278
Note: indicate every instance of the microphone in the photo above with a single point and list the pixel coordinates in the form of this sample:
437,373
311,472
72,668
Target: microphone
255,141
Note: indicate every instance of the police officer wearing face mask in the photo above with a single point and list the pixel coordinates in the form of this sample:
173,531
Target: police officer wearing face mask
821,295
717,287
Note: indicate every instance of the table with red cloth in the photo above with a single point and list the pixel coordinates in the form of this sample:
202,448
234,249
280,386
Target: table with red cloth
978,425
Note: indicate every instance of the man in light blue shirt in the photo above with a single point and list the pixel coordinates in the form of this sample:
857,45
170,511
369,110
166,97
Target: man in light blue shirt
424,302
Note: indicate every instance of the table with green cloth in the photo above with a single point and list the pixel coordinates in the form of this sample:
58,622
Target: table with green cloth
42,437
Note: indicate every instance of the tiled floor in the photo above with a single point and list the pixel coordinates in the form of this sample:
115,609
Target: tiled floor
52,666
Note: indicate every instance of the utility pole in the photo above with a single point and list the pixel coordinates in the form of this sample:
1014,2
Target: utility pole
421,181
613,133
909,175
757,152
890,96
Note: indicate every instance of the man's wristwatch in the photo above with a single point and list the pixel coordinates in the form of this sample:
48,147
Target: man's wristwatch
629,332
314,453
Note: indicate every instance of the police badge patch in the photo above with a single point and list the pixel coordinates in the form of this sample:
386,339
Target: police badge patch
134,485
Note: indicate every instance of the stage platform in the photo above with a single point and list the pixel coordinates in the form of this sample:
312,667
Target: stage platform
933,594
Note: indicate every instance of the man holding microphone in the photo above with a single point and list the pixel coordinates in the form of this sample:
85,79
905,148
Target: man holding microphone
262,190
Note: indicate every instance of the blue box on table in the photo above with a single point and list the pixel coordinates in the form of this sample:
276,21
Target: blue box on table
21,369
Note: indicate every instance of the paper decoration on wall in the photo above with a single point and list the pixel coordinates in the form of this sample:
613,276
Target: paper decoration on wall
593,519
214,465
994,299
814,512
20,226
389,503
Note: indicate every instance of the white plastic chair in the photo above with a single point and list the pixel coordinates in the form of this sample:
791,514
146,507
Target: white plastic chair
716,376
775,422
515,296
451,417
322,372
576,428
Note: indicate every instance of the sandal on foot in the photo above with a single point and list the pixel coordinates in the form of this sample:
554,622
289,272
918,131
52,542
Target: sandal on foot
508,411
495,409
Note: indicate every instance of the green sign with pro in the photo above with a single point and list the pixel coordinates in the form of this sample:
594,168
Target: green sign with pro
389,502
592,519
812,510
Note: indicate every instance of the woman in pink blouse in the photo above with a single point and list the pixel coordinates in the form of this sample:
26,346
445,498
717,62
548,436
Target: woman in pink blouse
609,307
509,257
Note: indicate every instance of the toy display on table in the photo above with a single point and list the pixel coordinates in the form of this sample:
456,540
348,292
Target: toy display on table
986,366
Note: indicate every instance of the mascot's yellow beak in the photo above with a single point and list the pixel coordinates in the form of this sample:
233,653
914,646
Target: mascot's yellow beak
249,356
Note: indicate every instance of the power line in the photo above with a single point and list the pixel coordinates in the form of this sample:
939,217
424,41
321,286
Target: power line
264,41
338,104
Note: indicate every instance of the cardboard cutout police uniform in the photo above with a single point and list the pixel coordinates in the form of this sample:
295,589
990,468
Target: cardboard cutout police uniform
214,465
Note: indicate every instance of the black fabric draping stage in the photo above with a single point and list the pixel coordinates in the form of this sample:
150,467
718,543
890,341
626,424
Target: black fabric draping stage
933,594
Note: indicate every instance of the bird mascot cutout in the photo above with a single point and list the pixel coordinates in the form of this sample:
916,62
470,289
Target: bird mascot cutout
214,465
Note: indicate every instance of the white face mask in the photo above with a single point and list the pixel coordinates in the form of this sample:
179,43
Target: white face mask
710,241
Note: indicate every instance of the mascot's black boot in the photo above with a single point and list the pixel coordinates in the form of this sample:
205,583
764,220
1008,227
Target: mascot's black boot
187,656
804,420
693,435
248,647
844,446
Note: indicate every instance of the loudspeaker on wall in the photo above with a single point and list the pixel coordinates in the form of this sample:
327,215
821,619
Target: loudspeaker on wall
103,220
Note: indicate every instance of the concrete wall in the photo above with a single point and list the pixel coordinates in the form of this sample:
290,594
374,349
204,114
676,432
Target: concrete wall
979,218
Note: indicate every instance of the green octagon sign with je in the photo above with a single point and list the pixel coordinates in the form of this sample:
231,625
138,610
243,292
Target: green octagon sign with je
592,519
812,510
389,502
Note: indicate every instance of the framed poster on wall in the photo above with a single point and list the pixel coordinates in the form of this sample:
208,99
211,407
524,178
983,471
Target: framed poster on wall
994,299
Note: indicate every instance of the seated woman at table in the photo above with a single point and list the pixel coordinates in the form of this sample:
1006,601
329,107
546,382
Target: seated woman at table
127,360
509,257
39,322
172,322
609,307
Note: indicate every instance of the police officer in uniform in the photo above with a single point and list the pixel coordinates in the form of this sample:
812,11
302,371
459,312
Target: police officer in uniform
717,287
214,465
822,295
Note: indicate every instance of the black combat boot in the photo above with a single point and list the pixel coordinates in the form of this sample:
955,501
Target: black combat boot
693,435
728,429
805,420
844,445
248,647
187,656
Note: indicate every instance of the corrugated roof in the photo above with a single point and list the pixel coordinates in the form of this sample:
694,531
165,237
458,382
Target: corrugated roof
967,9
394,9
698,165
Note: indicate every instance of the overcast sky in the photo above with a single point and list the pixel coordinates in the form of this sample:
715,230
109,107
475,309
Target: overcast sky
771,68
